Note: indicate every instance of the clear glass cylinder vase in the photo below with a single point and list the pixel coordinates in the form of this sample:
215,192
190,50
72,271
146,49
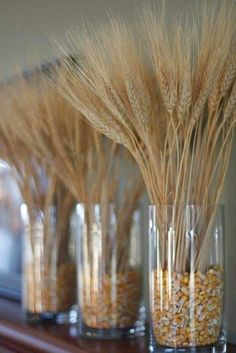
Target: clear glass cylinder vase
186,279
109,268
49,271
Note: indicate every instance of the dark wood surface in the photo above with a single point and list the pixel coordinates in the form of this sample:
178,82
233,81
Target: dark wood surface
17,337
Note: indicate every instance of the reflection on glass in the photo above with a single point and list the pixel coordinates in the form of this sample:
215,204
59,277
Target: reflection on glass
10,223
186,279
48,267
109,266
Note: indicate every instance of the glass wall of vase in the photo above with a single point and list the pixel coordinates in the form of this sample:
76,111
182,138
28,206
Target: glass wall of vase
186,279
109,270
49,274
10,227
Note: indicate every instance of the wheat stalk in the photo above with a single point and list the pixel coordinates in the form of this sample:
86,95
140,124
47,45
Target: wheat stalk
37,181
172,104
88,164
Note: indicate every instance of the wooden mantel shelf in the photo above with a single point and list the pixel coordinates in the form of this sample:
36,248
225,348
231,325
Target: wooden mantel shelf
17,337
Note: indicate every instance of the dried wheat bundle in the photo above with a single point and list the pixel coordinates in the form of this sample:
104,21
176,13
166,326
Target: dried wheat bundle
87,163
41,189
169,96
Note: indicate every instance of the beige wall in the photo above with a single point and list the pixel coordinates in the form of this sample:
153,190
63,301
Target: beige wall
25,26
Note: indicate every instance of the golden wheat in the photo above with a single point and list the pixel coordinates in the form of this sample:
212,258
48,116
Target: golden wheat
40,187
87,163
170,101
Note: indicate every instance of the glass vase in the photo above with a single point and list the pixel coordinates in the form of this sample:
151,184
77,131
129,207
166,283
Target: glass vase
186,279
49,271
109,268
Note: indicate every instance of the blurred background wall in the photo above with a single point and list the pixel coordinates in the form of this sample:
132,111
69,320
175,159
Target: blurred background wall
25,28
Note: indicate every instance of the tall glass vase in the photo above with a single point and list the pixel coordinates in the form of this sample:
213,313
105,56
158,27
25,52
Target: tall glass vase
186,279
49,274
109,268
